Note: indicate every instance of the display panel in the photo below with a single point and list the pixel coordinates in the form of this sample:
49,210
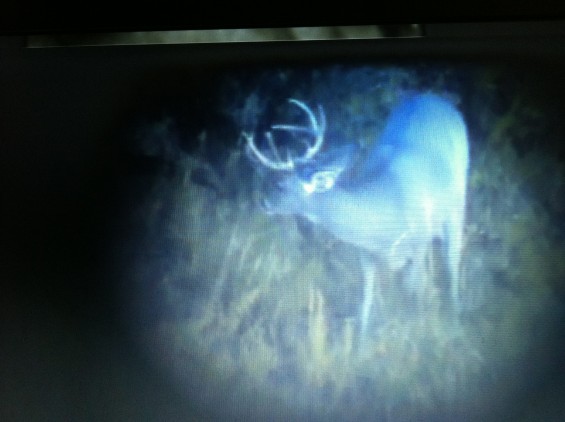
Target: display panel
303,231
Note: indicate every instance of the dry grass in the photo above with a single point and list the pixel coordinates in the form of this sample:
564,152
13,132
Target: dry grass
273,329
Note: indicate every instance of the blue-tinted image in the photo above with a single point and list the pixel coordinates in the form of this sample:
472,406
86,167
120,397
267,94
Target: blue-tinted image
376,242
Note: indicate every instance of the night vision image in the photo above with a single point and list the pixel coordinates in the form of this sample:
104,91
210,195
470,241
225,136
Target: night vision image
347,230
367,241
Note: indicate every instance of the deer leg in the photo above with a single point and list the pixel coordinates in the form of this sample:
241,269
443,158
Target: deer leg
368,265
453,245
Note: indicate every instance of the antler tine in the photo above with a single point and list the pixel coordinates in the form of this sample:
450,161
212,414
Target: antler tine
274,165
320,132
318,128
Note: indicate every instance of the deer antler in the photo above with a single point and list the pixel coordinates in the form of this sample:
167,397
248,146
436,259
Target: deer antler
317,128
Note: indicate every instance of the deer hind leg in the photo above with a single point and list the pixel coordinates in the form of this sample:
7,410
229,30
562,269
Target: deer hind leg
368,295
372,300
453,244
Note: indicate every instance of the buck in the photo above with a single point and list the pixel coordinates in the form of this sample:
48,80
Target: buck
407,191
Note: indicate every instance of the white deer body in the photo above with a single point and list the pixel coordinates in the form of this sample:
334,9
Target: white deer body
409,190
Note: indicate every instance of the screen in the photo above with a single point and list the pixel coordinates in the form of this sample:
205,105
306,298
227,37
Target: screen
335,230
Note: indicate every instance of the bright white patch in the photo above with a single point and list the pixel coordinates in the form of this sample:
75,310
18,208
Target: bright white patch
321,181
429,211
309,188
